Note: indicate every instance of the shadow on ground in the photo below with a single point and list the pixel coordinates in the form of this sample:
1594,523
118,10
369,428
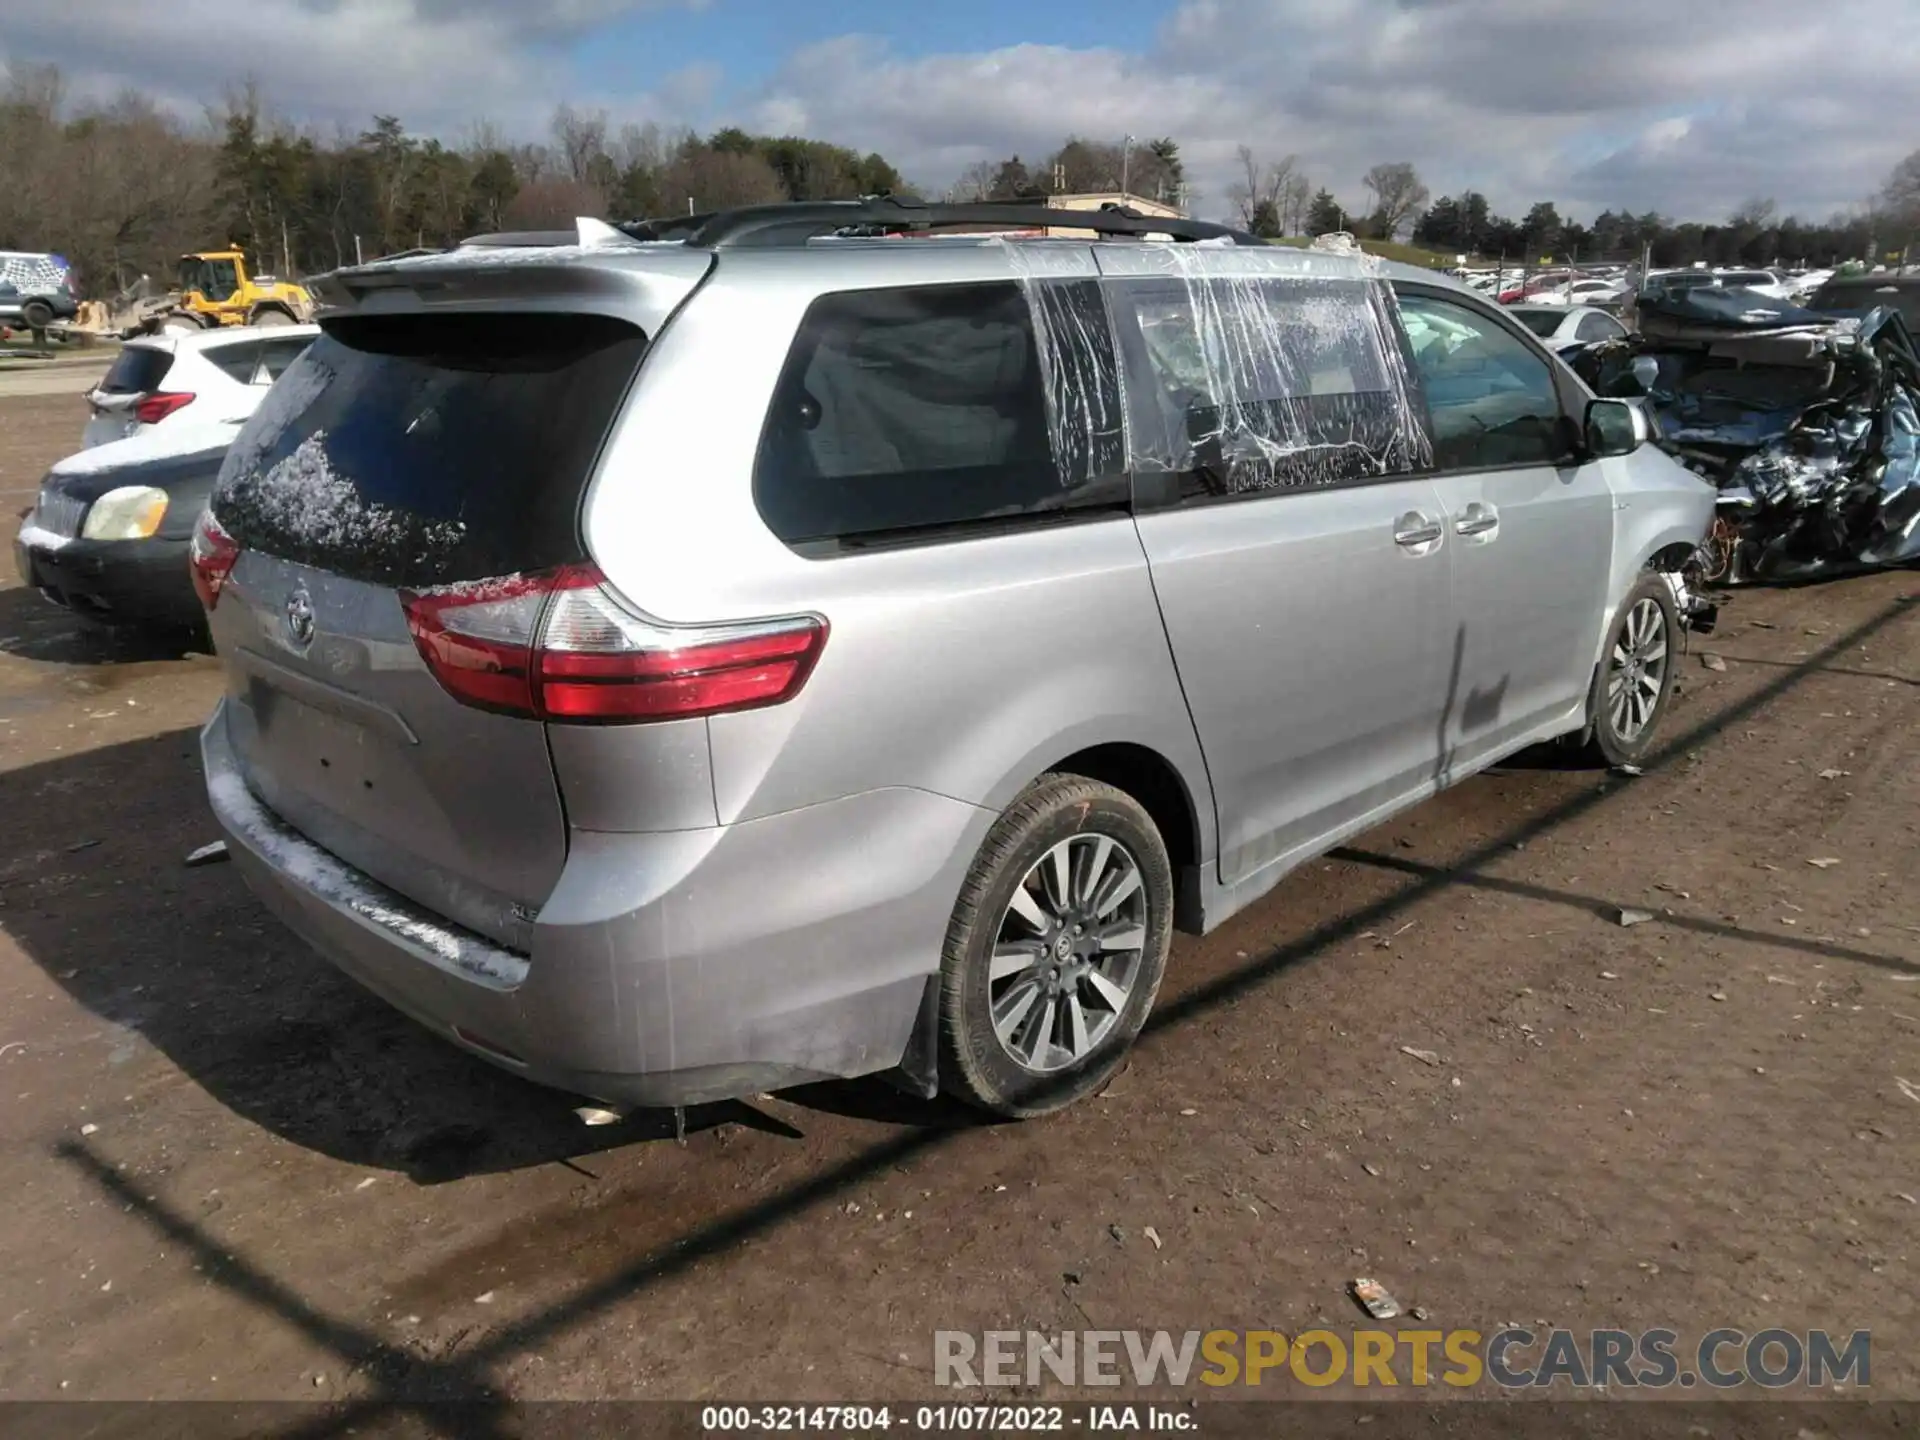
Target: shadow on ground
34,628
96,891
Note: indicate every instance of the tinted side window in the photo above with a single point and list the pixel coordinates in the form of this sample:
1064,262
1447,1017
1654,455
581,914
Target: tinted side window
904,409
277,355
236,362
1491,399
1258,384
1597,327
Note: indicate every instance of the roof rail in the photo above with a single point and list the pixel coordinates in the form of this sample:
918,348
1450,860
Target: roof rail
797,222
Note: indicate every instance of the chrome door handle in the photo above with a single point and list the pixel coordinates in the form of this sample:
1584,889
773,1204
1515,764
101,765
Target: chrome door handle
1477,519
1414,529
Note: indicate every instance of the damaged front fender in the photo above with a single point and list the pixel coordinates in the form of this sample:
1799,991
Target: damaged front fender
1809,425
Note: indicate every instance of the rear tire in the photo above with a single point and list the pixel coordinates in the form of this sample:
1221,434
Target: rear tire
179,325
1056,948
270,318
1634,681
37,314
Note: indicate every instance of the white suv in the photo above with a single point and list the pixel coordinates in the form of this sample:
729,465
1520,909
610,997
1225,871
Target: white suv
198,388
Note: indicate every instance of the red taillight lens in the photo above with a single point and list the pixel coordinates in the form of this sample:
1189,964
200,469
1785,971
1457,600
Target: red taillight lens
210,555
162,403
559,646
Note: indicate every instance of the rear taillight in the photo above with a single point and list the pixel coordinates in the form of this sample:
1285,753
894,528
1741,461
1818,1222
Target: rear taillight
559,645
210,555
162,403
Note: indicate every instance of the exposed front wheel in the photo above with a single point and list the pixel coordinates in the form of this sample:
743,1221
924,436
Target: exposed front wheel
1635,678
1056,948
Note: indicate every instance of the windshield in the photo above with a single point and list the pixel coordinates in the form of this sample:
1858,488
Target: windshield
217,279
1541,322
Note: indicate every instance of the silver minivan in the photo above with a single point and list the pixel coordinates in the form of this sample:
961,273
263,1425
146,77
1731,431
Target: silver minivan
820,640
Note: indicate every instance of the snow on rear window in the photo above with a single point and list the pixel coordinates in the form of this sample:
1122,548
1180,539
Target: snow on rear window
428,450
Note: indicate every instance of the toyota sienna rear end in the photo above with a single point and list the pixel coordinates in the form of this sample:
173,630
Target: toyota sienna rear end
459,756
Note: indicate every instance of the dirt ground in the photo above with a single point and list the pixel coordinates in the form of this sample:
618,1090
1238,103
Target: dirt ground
230,1174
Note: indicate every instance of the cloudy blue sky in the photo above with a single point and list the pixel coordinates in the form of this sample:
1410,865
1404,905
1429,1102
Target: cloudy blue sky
1650,104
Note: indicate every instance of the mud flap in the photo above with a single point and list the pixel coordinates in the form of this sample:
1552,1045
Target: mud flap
918,1073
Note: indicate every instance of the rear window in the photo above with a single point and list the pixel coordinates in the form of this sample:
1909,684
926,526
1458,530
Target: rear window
901,411
1541,322
426,450
137,371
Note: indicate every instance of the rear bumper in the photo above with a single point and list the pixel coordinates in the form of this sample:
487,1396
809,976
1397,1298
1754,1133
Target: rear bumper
667,968
123,582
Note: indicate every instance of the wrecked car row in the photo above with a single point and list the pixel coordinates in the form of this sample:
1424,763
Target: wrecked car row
1807,421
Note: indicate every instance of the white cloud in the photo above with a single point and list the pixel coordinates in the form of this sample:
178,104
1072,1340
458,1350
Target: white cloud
439,63
1688,109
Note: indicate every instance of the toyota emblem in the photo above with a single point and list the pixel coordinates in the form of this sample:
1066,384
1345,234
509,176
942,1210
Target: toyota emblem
300,618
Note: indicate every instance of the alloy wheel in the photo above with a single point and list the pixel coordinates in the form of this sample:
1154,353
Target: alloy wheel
1067,952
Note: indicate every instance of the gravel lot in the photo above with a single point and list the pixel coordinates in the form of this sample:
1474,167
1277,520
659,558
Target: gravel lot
233,1175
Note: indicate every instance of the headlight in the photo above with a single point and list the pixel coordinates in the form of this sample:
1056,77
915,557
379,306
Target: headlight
133,512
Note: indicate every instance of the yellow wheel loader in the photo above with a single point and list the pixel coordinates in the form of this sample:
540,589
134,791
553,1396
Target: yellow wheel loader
214,289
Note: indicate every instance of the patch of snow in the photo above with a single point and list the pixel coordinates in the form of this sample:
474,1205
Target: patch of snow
487,257
154,442
34,538
302,499
341,886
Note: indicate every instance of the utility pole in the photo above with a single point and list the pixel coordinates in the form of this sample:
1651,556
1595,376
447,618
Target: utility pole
1126,164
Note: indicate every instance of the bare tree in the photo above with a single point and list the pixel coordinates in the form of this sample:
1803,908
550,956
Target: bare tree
708,179
1295,200
552,204
1755,214
120,190
581,139
1900,200
1397,194
976,182
1259,192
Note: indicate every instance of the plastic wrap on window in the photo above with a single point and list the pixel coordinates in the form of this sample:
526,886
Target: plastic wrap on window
1265,369
1077,369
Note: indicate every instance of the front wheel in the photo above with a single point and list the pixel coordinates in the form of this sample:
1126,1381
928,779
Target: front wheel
1635,678
1056,948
